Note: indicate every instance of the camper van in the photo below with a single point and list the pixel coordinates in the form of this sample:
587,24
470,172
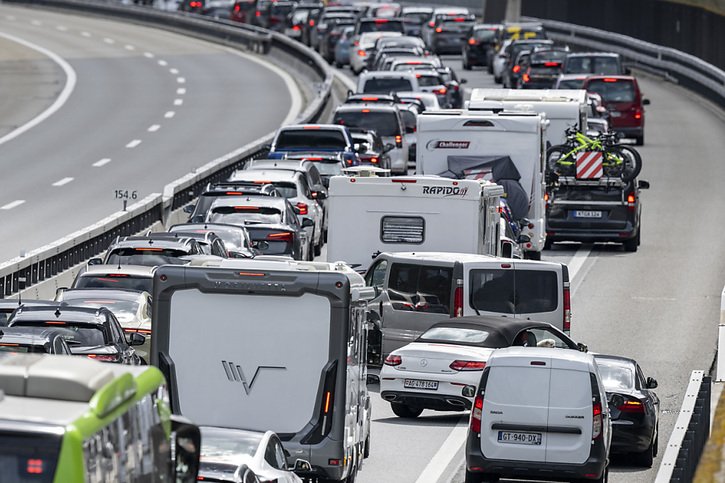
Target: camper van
506,148
270,345
407,213
563,108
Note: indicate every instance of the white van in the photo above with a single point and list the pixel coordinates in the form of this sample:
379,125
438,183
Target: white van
507,148
270,345
563,108
416,290
539,414
405,213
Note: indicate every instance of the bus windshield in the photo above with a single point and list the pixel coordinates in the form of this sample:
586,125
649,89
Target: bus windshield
26,457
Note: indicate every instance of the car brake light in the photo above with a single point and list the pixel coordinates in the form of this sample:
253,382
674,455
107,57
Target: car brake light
431,24
472,41
516,69
237,7
139,331
630,406
296,28
381,20
103,357
374,160
467,365
442,91
566,323
257,13
596,420
551,64
362,53
393,360
233,193
302,208
284,236
631,198
311,127
637,114
476,414
34,466
399,141
312,23
117,275
366,111
370,99
458,302
246,208
439,30
609,79
525,78
459,19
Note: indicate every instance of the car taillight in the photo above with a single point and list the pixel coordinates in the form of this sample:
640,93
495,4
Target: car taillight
302,208
476,414
439,30
284,236
296,28
525,78
596,420
356,43
442,91
431,24
472,41
362,53
374,160
567,311
516,69
467,365
393,360
631,406
237,7
103,357
399,141
312,23
637,114
257,13
551,64
458,302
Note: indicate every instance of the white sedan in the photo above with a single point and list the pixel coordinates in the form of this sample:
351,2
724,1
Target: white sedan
442,368
227,453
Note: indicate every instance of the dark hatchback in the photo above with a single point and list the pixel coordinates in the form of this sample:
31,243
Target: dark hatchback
478,47
450,33
634,407
604,210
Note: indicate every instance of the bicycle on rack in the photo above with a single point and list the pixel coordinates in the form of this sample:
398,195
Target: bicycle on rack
593,157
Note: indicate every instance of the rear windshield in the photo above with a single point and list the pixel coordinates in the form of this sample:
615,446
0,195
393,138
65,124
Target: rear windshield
413,66
384,123
614,90
386,85
328,169
455,26
417,288
24,348
272,242
280,10
571,84
74,334
455,334
148,257
429,80
592,65
141,284
483,35
550,56
514,291
386,11
241,216
225,445
122,309
416,17
382,25
310,138
26,458
615,377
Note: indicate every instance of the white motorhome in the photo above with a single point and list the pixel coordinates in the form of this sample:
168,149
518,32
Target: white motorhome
272,345
407,213
564,108
506,147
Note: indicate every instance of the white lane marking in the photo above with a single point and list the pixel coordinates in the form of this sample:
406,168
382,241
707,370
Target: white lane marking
181,91
101,162
133,143
70,83
154,128
148,55
178,102
12,205
63,181
577,261
36,22
180,80
109,41
169,114
163,63
62,28
129,47
450,448
294,91
86,34
174,71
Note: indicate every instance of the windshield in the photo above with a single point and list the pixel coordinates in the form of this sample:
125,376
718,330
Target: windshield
381,25
615,377
454,334
384,123
514,291
26,457
613,90
148,257
220,444
483,35
386,85
328,169
113,280
413,66
310,138
593,65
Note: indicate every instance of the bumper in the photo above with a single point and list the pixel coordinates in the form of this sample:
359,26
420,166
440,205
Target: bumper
476,58
580,234
592,469
436,402
446,46
630,438
628,131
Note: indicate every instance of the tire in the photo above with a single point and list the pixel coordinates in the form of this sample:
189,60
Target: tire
473,477
497,80
548,244
404,411
633,162
632,244
645,459
366,448
466,64
639,140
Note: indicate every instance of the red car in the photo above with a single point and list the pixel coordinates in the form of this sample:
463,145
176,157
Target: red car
623,99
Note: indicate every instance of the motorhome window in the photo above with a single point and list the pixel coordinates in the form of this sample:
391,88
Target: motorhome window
28,457
402,229
386,85
420,288
514,291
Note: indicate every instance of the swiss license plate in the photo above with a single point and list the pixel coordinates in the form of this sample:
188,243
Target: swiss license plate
515,437
418,384
587,214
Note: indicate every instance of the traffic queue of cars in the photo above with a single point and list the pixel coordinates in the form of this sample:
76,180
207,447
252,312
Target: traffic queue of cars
441,297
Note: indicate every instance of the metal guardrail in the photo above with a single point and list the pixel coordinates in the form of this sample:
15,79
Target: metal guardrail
690,433
48,261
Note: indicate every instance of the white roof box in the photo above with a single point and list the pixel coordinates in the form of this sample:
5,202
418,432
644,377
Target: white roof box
485,99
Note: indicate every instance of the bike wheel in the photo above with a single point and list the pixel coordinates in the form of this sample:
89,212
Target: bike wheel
554,155
631,161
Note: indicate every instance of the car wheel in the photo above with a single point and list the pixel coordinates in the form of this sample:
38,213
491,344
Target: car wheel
632,244
405,411
646,457
366,449
497,80
639,140
548,244
473,477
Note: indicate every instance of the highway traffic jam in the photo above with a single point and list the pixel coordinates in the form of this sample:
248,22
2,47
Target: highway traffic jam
437,293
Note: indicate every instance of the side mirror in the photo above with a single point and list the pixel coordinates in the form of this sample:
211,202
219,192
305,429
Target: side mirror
187,441
651,383
302,466
307,222
643,184
136,339
95,261
388,147
59,293
319,195
463,81
646,102
582,347
189,209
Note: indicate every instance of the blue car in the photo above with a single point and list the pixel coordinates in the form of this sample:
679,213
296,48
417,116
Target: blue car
342,48
328,138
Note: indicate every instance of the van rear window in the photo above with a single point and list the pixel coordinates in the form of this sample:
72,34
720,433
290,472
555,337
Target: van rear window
613,90
419,288
310,138
402,229
514,291
385,123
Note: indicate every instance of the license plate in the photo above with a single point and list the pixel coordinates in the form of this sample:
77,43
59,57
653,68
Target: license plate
515,437
587,214
417,384
615,113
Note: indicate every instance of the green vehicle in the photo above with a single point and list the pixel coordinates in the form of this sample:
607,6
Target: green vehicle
70,419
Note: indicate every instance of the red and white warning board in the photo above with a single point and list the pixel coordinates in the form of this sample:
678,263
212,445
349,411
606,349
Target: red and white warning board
589,165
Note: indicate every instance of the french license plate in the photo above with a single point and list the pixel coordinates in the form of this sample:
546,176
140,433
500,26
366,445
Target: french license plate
418,384
587,214
514,437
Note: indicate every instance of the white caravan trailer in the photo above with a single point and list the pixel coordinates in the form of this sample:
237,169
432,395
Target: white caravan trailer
563,108
506,147
270,345
369,215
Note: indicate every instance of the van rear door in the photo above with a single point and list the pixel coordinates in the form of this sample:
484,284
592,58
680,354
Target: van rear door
515,410
569,438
